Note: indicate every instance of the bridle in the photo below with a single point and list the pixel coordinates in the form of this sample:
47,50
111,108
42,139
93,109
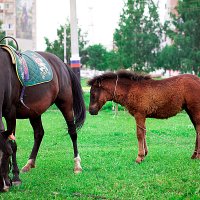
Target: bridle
114,94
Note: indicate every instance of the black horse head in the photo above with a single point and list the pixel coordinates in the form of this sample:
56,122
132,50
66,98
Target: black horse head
5,153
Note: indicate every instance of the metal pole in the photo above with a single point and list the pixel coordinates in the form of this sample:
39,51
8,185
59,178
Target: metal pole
75,59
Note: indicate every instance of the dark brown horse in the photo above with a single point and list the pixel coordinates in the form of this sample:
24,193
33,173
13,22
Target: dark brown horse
64,90
145,98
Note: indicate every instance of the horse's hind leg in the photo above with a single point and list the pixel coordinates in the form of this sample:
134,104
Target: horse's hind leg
67,112
73,136
38,135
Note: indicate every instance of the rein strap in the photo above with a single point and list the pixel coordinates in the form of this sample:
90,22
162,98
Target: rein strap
115,87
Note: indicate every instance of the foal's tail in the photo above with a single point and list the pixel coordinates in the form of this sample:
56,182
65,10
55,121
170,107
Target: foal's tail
78,101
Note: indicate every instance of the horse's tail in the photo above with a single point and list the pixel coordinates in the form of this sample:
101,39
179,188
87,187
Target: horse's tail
78,101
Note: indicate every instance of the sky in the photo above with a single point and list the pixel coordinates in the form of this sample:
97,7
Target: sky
97,17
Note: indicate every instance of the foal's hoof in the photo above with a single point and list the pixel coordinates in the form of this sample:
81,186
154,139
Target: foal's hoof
196,156
139,159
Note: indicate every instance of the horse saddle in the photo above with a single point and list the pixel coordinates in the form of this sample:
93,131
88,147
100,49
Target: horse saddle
31,67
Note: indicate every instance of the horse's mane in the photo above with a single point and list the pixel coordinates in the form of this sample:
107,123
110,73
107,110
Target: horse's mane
121,74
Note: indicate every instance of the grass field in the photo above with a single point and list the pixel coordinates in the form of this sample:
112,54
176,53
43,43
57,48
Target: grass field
108,148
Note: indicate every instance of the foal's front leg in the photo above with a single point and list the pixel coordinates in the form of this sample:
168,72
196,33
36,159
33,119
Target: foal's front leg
196,154
141,134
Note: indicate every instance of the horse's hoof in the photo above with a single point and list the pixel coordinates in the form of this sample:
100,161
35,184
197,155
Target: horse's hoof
77,170
25,169
30,164
6,188
16,181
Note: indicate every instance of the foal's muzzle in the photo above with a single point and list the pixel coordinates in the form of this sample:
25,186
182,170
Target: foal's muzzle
93,111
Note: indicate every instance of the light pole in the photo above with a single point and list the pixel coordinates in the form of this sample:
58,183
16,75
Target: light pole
75,59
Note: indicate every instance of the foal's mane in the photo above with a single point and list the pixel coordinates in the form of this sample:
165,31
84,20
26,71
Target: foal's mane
120,74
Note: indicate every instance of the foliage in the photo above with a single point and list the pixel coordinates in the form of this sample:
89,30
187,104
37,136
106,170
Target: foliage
100,58
138,36
97,57
184,31
108,147
168,58
57,46
113,60
2,33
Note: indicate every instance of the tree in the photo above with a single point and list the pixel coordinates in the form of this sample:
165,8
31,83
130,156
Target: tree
101,59
2,33
112,60
138,36
168,58
57,46
184,31
97,57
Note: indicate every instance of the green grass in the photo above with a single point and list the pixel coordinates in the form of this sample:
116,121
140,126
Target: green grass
108,148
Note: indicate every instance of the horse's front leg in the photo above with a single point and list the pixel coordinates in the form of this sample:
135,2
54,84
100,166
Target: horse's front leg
73,135
141,136
15,170
38,135
11,125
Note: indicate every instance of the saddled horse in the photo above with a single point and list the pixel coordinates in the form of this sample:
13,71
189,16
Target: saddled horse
145,97
64,90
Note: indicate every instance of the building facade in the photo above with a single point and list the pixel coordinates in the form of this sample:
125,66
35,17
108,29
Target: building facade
19,21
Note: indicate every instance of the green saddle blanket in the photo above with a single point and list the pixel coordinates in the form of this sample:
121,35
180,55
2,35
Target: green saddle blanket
32,68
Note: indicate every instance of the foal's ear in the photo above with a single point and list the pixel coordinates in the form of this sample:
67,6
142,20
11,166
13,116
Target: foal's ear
97,83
